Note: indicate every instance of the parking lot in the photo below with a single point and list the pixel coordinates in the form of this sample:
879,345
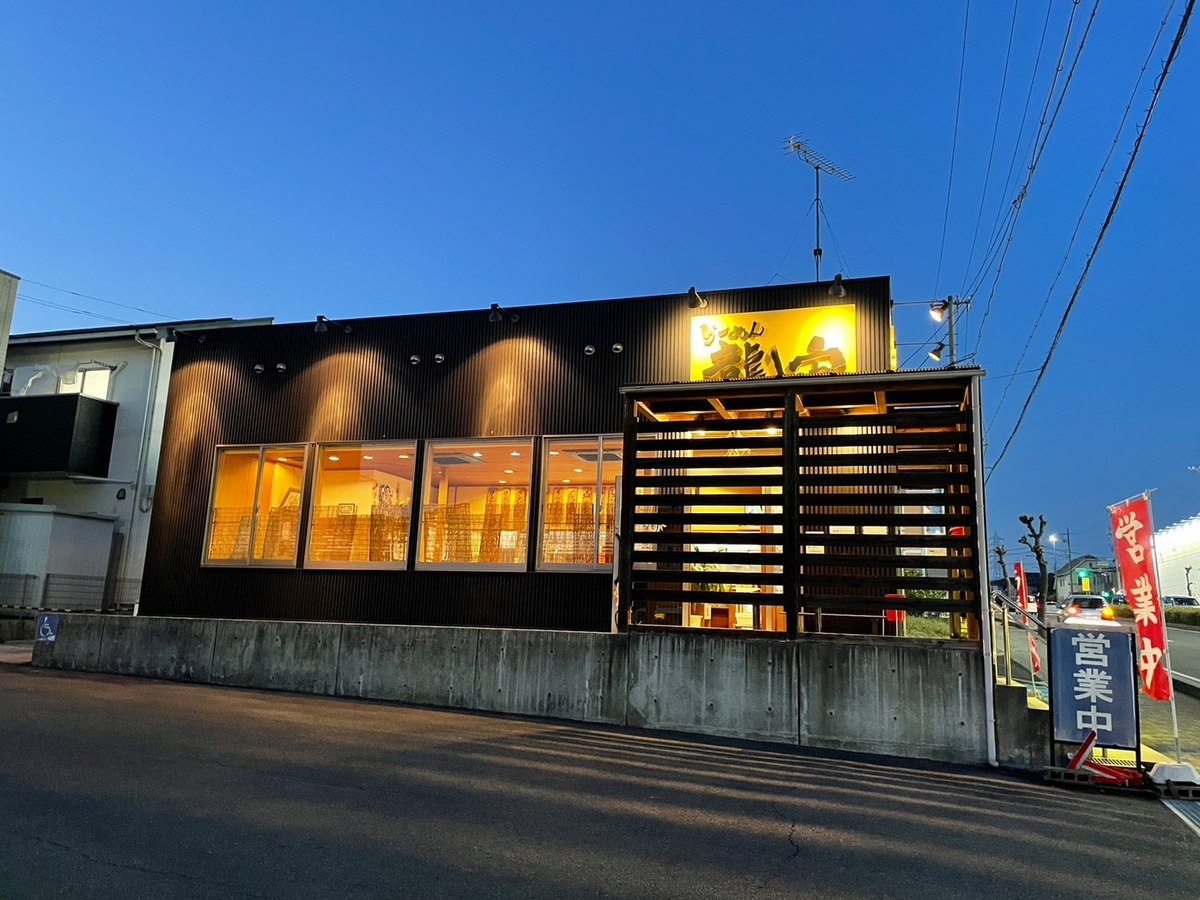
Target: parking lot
116,787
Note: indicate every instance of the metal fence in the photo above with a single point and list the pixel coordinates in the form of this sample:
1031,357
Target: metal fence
76,593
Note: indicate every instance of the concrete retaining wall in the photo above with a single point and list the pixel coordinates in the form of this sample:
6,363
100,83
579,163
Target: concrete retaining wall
897,697
733,688
892,696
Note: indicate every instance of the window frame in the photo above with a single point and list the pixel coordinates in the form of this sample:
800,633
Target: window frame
543,491
301,532
428,447
310,502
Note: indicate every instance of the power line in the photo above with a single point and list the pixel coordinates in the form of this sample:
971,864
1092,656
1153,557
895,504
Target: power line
962,65
64,308
1005,208
1087,204
987,178
1044,130
1112,209
100,299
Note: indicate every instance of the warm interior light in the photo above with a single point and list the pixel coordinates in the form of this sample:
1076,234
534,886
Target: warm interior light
554,453
515,453
508,471
368,457
477,455
404,456
577,470
502,481
566,481
281,459
333,458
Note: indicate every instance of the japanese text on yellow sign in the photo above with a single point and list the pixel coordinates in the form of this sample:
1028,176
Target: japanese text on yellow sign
774,344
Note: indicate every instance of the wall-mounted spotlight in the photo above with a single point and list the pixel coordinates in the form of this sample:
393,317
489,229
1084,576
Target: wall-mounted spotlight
323,324
837,289
497,314
936,353
414,360
617,348
259,368
937,309
280,368
589,349
695,301
439,358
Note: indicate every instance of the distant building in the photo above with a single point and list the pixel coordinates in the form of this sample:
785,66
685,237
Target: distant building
81,415
1178,550
1085,574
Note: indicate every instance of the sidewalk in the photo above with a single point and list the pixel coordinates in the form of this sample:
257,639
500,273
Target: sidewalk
16,653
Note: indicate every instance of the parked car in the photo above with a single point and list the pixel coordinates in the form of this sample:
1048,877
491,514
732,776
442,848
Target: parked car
1089,609
1176,600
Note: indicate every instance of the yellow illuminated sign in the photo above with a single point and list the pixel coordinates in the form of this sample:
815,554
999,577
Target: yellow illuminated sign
778,343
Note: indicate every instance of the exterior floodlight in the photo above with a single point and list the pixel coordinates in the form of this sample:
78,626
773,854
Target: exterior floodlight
695,301
937,309
936,353
837,289
323,324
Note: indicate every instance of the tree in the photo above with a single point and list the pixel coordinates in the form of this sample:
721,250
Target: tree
1008,585
1033,541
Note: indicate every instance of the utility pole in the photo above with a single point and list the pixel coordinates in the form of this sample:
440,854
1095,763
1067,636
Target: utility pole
795,144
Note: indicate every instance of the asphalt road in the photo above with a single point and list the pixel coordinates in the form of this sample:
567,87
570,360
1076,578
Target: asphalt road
1185,651
128,788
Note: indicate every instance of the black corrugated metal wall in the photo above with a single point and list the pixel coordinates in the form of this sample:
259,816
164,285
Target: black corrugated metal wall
529,377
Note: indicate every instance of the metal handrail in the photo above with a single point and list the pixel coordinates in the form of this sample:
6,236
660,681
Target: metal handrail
1002,600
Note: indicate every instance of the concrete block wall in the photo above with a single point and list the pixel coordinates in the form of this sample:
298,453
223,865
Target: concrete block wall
893,696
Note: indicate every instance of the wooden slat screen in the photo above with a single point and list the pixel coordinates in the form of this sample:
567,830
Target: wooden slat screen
848,513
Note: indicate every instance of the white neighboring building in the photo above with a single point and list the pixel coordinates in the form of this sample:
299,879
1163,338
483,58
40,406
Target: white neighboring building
1177,549
127,369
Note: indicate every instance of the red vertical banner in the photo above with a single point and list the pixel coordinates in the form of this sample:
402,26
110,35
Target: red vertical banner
1135,557
1035,660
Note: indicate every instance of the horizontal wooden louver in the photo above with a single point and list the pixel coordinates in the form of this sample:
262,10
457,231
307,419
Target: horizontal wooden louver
854,514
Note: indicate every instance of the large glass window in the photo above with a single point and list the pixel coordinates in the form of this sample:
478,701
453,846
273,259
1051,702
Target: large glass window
362,505
579,500
255,511
475,503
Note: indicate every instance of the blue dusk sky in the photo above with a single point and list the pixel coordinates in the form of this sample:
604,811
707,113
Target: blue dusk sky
361,159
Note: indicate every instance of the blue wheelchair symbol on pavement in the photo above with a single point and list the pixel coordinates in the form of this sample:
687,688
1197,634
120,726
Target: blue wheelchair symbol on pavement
47,627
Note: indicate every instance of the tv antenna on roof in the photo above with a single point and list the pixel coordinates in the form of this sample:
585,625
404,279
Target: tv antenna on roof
795,144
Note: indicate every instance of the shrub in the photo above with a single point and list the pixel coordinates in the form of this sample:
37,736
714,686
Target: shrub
1176,615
